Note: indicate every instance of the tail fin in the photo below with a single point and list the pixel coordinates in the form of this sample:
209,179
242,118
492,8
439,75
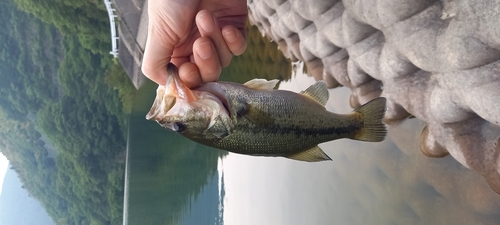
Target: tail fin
373,128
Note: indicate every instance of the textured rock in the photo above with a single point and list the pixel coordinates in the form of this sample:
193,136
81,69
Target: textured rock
436,60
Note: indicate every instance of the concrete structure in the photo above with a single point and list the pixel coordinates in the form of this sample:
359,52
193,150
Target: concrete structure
436,60
132,30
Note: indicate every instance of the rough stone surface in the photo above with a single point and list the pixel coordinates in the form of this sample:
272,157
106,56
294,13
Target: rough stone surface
438,60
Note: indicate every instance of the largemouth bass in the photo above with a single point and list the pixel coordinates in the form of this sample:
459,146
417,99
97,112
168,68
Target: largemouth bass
255,119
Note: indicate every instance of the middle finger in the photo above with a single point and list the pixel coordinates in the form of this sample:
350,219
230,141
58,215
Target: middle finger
209,27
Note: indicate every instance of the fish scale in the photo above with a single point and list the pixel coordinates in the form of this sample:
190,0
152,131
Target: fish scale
297,122
255,119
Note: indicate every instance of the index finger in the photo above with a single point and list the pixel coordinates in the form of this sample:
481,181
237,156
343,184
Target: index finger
168,21
156,57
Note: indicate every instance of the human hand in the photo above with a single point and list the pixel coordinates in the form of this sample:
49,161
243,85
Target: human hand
198,36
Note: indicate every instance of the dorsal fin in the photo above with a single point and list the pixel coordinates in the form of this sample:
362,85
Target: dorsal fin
261,84
318,92
314,154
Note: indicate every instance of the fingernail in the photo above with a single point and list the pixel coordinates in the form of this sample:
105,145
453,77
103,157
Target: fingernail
204,50
206,22
230,36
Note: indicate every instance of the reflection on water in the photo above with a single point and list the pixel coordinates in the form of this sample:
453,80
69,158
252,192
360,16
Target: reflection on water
206,207
367,183
344,43
262,59
170,180
174,181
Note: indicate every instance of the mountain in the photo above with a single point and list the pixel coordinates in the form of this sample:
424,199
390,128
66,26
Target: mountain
63,117
16,205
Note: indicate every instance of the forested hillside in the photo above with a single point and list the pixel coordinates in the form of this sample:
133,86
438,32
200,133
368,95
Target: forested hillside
63,108
85,19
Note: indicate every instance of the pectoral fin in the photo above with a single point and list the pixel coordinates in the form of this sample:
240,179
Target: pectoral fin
314,154
220,126
318,92
261,84
257,116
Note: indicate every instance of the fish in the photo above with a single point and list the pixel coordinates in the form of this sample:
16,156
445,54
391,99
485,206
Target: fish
255,119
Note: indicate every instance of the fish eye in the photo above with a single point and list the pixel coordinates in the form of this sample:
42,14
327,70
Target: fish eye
178,127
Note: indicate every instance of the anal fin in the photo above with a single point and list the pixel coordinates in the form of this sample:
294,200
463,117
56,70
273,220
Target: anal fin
314,154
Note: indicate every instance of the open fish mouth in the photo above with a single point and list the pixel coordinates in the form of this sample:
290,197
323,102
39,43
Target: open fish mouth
169,95
159,104
174,98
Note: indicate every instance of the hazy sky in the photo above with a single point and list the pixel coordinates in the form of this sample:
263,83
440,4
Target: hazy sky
4,164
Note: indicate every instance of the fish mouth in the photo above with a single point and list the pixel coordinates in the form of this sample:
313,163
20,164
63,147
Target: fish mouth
175,96
168,95
161,105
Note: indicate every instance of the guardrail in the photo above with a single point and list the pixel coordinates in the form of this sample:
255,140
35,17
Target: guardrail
112,24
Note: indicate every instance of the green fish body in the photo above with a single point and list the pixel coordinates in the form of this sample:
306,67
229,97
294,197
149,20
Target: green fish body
255,119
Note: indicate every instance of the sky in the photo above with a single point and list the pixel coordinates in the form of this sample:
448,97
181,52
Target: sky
4,164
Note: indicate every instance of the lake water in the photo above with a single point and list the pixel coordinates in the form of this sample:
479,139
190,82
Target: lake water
171,180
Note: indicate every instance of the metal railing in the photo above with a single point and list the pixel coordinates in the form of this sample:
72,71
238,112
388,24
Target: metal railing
114,37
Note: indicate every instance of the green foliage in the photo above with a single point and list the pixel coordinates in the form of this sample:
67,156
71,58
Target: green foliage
63,127
29,62
88,128
87,19
125,88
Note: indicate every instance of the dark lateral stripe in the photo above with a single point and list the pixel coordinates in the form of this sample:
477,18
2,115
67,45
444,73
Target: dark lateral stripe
298,131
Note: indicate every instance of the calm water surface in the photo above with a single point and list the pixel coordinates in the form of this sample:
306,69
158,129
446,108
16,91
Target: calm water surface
171,180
